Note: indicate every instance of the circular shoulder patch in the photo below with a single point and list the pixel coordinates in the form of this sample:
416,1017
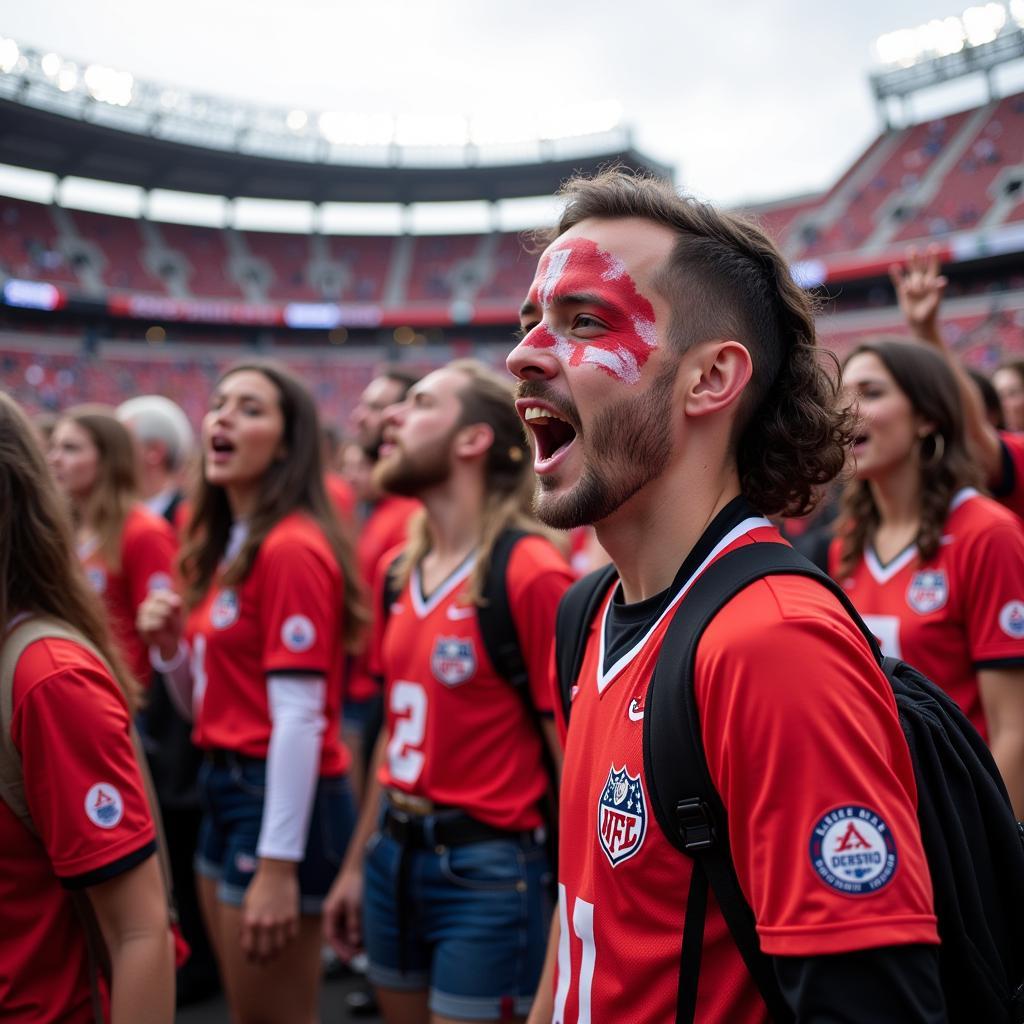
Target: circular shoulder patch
298,633
853,851
1011,619
103,805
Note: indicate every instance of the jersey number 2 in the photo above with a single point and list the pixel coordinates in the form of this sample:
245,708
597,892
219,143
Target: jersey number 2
409,707
583,929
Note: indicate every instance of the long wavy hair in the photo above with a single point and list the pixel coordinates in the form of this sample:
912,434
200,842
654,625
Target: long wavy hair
945,467
726,279
40,573
115,490
486,397
294,483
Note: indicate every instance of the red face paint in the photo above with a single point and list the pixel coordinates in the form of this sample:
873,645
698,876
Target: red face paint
578,267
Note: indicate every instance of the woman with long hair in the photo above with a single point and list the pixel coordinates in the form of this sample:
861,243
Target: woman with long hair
91,829
255,650
935,568
126,549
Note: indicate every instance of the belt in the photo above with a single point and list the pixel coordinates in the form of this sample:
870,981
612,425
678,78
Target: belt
426,833
221,758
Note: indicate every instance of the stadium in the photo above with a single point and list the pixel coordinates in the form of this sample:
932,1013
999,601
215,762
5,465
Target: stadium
416,249
98,306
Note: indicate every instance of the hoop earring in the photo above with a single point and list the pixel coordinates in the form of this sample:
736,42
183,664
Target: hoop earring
938,449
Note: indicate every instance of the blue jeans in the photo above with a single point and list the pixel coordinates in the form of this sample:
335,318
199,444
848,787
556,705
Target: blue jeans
479,916
232,801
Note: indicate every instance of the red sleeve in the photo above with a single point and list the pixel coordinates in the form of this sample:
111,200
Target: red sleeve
148,554
1008,486
300,605
82,783
538,576
802,741
991,591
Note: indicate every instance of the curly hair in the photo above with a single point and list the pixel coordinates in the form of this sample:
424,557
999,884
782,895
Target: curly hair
726,279
945,467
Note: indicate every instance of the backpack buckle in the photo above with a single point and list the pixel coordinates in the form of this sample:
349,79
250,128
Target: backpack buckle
696,826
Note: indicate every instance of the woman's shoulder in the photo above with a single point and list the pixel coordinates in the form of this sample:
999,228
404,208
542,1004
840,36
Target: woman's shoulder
141,522
296,532
973,514
58,658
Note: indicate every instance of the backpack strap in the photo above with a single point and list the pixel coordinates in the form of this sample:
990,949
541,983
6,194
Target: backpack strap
576,612
494,616
683,796
12,782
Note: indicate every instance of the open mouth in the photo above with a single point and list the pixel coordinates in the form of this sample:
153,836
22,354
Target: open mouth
221,445
552,433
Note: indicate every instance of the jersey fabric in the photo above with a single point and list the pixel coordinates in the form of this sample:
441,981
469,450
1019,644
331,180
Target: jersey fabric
1009,487
802,740
286,616
385,528
459,734
341,497
71,726
961,611
148,549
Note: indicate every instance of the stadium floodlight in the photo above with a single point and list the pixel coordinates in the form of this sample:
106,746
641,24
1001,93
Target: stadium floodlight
356,129
67,78
10,54
297,120
51,65
109,86
982,24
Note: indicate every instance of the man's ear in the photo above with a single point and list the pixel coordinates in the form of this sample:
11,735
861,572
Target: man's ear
472,441
719,374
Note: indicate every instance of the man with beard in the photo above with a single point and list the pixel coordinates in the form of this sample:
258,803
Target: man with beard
455,910
672,389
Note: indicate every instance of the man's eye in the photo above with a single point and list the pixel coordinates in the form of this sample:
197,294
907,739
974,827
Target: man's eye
586,322
524,330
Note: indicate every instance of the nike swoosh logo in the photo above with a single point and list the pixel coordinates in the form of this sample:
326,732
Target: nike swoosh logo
636,711
456,612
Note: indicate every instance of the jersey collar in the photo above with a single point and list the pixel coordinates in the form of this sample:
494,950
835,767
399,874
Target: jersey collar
736,519
423,606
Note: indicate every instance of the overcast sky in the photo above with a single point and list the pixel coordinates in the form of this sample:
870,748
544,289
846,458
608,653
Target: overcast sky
746,99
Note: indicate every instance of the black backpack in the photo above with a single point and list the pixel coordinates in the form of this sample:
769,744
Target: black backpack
971,837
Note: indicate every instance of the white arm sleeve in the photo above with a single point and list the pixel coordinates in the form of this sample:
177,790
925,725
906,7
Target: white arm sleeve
177,675
297,705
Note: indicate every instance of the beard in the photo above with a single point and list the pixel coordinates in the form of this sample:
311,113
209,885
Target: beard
627,446
399,473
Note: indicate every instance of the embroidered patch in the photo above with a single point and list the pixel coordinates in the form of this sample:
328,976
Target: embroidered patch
1011,619
928,591
453,660
853,851
97,579
621,815
225,609
298,633
103,805
158,581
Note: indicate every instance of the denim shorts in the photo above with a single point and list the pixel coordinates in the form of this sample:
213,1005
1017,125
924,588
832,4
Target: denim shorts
231,792
477,928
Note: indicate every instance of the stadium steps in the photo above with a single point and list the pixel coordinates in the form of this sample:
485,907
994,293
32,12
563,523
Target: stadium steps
327,276
889,224
84,257
162,262
252,274
397,283
1004,202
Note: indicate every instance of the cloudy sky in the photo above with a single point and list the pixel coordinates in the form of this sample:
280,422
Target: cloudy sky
746,99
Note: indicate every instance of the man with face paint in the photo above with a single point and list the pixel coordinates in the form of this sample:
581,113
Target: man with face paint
674,398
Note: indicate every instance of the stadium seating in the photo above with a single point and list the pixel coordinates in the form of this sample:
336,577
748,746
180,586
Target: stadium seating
30,245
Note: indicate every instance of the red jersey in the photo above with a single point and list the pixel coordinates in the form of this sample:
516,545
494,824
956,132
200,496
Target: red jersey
459,734
803,745
286,616
341,496
71,726
385,528
148,550
1009,487
961,610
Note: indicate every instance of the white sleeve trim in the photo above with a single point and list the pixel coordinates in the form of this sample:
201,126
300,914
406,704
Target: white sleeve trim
298,721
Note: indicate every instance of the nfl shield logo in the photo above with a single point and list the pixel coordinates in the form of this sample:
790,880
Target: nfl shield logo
928,591
621,815
225,609
453,660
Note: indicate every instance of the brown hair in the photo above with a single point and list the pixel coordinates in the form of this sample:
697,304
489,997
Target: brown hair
486,397
40,572
293,483
115,489
726,279
946,467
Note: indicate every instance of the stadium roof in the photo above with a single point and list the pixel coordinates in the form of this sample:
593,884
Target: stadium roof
66,118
